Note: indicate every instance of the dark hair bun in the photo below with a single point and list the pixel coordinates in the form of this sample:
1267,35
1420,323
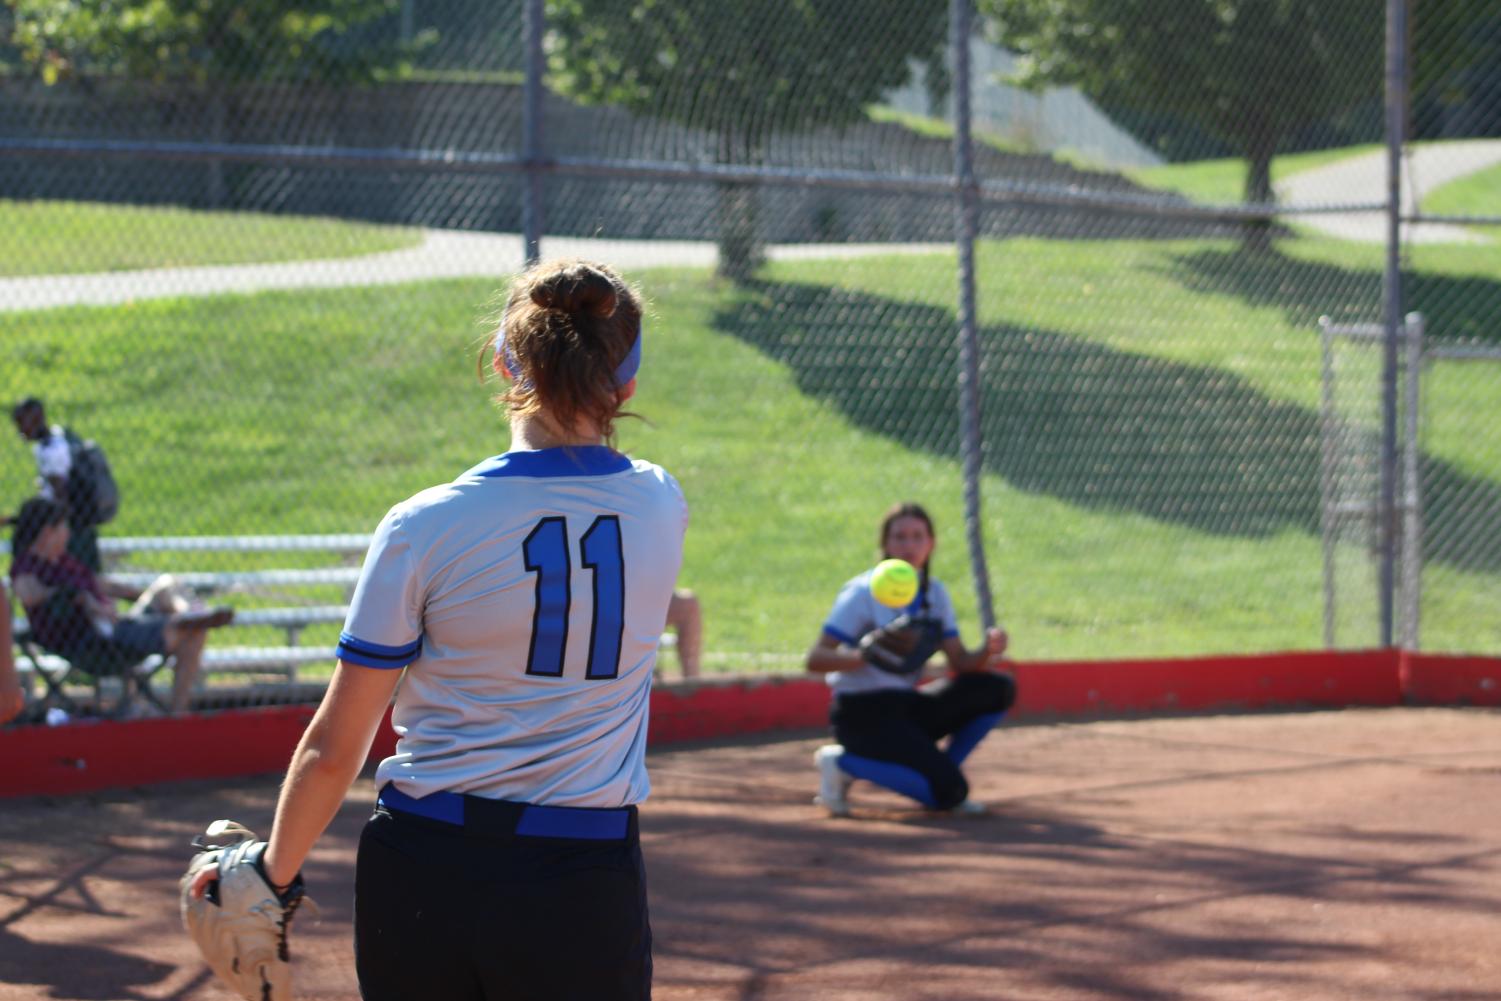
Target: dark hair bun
577,288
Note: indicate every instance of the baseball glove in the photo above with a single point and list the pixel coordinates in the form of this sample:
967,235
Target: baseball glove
903,645
240,922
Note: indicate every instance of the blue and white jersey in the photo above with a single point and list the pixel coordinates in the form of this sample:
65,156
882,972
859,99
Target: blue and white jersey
856,612
526,600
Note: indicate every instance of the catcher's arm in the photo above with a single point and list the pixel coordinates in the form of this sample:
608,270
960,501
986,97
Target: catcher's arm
988,656
829,655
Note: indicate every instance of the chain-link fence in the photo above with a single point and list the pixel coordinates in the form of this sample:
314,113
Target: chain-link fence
252,251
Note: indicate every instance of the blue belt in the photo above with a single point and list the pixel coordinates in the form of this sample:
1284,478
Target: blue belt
499,816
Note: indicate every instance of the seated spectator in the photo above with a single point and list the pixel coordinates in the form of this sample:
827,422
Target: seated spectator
72,611
12,698
685,617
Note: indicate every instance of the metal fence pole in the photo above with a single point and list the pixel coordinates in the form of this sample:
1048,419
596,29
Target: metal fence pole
1328,474
967,211
1412,488
531,132
1396,133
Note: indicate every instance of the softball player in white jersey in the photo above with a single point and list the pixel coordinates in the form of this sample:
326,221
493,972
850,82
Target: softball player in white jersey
525,601
887,726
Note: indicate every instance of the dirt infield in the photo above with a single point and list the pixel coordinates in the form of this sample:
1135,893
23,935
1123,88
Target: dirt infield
1350,854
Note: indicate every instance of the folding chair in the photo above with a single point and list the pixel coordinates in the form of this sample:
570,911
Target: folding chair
57,672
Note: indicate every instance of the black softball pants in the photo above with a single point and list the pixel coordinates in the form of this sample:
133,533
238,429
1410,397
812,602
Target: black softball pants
904,727
478,912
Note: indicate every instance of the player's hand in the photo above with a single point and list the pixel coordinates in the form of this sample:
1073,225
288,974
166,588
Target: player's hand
201,880
993,654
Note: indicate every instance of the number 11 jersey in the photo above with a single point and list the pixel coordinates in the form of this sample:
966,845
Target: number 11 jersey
526,600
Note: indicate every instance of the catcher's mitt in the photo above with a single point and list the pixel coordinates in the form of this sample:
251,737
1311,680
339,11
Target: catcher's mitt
239,922
903,645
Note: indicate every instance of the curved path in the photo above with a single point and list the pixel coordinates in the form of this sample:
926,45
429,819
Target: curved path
1426,168
441,254
453,254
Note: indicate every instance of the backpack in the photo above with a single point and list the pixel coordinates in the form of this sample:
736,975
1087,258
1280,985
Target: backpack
92,490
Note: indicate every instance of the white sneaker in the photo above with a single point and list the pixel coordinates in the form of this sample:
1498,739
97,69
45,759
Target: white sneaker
970,808
833,783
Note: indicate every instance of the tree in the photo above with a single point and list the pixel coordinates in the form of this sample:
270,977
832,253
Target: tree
1249,72
206,41
742,71
211,45
1456,68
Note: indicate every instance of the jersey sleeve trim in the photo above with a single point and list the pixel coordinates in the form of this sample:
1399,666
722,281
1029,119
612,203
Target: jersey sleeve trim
367,654
840,635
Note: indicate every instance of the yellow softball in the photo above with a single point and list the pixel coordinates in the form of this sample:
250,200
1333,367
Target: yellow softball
894,583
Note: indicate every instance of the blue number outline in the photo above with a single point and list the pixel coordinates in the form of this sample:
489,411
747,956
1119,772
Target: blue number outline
546,621
607,625
546,552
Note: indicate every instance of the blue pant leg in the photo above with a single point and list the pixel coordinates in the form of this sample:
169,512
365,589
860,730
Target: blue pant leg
968,736
900,779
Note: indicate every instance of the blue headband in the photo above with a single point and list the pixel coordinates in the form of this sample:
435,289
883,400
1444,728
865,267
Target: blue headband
624,372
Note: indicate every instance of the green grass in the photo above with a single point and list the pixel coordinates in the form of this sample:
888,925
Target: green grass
1477,194
1224,181
48,237
930,127
1135,393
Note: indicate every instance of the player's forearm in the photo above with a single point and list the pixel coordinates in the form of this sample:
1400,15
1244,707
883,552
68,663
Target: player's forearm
313,792
826,660
327,759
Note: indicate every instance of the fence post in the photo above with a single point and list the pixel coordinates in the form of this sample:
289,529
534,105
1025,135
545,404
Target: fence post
1412,488
531,132
1328,473
1396,133
967,224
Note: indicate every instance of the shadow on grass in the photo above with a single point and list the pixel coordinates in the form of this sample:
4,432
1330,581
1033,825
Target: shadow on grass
1189,445
1457,307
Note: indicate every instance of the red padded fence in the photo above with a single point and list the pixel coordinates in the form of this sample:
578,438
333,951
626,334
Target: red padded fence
1451,680
92,755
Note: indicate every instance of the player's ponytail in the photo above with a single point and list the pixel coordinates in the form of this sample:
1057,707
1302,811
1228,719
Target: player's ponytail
570,337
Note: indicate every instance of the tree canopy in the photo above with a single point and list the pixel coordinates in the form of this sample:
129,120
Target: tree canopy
207,40
1249,72
742,71
748,68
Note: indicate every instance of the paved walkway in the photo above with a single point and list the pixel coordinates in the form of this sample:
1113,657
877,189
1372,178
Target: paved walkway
450,254
1363,179
441,254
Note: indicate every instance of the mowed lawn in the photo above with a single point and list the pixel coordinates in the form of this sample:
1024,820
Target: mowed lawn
1223,180
51,237
1151,467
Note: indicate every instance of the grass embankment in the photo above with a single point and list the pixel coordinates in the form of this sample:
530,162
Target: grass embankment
1223,181
41,238
1479,194
1152,430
